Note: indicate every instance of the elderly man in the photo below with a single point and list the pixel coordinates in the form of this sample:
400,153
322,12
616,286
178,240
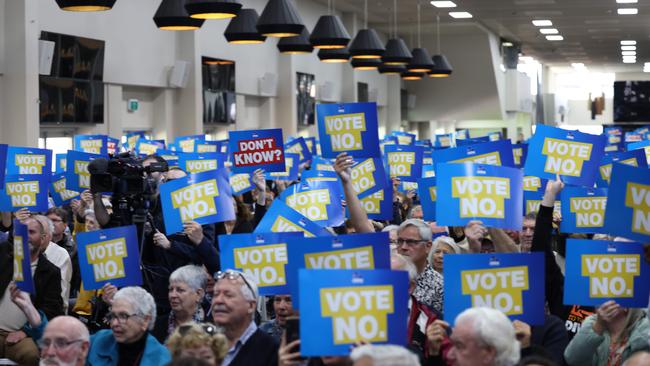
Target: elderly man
414,241
483,337
133,313
233,308
65,342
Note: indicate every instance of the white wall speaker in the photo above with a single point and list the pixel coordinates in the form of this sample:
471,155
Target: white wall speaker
268,85
45,55
410,103
179,74
326,92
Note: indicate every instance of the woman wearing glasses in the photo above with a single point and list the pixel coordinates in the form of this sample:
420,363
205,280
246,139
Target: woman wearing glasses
186,292
198,340
127,343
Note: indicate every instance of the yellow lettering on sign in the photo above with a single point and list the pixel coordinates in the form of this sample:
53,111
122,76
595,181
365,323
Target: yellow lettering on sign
362,179
81,169
400,163
239,182
481,196
498,288
19,254
148,149
358,313
107,259
372,202
29,163
532,184
198,166
356,258
606,170
589,211
637,197
283,225
265,263
533,206
92,146
565,157
611,275
187,145
345,131
288,164
22,193
517,153
196,200
311,204
59,187
492,158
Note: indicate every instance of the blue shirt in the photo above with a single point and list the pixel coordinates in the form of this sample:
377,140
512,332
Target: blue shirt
234,350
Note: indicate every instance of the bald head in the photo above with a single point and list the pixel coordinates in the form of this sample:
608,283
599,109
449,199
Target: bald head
71,324
638,359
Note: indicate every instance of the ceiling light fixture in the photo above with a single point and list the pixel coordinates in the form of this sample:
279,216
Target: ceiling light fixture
460,14
555,38
397,53
628,48
212,9
412,75
443,4
367,43
628,53
628,43
298,45
85,5
365,64
391,69
334,55
280,18
627,11
242,29
542,23
507,44
421,61
329,31
548,31
441,66
627,1
629,61
171,15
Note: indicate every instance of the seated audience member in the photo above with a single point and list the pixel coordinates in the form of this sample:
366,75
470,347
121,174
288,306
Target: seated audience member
415,212
65,342
383,355
186,291
198,340
59,218
414,241
483,337
233,308
638,359
283,308
609,337
442,246
133,313
392,235
188,361
20,326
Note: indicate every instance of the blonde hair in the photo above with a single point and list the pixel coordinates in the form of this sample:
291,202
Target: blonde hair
194,336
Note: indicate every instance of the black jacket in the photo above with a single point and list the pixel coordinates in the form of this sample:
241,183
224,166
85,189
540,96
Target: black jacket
260,350
47,281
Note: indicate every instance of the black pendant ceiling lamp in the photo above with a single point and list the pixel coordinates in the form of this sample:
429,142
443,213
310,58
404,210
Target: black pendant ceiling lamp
442,68
336,55
212,9
397,53
85,5
365,64
367,43
280,18
329,31
421,61
391,69
242,29
297,45
412,75
171,15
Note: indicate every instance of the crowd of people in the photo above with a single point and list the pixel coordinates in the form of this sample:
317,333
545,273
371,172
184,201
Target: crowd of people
189,311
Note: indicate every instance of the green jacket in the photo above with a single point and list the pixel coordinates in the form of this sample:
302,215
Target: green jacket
590,349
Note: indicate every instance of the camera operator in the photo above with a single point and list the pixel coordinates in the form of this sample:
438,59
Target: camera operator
162,254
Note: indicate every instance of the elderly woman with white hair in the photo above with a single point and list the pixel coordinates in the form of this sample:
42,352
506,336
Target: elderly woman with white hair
186,292
383,355
132,315
442,246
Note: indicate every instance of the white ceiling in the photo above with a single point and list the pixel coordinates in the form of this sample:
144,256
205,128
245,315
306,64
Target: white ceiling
592,29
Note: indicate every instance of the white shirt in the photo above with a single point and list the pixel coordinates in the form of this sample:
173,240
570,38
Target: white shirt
60,258
12,318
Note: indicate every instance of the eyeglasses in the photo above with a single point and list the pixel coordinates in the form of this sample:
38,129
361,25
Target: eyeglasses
233,276
208,329
58,343
409,242
121,317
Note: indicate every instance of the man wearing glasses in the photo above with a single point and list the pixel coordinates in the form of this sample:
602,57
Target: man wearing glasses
128,342
233,308
414,241
65,342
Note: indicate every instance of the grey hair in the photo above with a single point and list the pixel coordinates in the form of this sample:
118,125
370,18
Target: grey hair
48,225
440,241
389,228
493,329
193,276
405,264
423,228
140,300
385,355
245,291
